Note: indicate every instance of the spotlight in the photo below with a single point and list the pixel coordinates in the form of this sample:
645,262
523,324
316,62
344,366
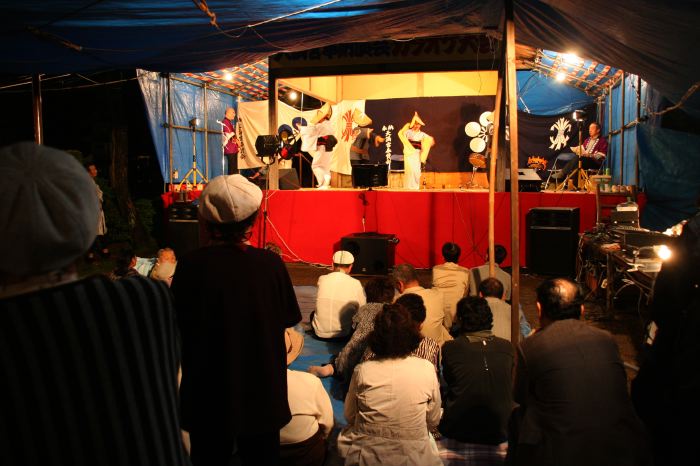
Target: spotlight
228,77
194,122
293,96
663,251
579,115
571,58
560,76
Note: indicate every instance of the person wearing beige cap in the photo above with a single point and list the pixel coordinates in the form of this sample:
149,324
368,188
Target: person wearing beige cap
318,140
234,302
339,296
89,364
303,439
416,148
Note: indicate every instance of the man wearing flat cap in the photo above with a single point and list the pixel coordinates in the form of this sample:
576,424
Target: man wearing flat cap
89,365
339,297
234,302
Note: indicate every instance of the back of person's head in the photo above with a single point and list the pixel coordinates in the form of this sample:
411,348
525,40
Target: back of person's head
124,262
395,333
380,290
49,210
451,252
474,314
559,299
491,288
415,306
405,273
499,254
166,255
229,207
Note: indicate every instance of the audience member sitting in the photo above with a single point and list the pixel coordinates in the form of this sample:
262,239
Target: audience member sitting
303,439
379,292
393,400
450,278
124,265
164,268
88,376
478,370
478,274
572,390
339,297
437,322
492,290
427,349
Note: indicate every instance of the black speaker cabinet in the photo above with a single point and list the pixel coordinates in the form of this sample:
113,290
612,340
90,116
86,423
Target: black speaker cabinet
183,228
369,175
373,252
288,179
552,240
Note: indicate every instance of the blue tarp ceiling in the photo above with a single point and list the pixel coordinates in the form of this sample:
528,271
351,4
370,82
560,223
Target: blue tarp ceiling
653,39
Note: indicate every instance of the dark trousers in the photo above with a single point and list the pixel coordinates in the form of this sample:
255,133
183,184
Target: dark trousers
210,448
587,163
232,163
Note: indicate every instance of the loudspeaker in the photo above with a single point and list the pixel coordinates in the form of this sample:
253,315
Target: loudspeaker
373,252
369,175
183,228
552,240
288,179
528,181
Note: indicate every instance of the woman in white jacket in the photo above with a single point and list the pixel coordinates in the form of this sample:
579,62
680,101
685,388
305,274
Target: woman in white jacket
393,400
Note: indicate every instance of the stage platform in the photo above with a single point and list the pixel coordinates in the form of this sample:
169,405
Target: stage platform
308,224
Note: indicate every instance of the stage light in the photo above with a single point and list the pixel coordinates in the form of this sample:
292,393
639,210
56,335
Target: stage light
571,58
194,122
293,96
663,251
579,115
560,76
228,77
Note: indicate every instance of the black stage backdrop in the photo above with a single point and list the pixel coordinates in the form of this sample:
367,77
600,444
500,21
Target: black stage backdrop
541,135
444,117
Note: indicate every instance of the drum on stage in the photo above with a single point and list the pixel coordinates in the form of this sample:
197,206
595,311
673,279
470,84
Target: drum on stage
477,160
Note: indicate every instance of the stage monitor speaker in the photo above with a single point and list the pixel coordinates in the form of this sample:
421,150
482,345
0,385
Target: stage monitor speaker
288,179
183,228
369,175
552,240
373,252
528,180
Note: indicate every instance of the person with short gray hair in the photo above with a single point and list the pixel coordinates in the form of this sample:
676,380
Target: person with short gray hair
571,386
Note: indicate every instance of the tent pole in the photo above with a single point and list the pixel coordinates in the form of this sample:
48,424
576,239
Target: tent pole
514,198
610,129
272,96
492,177
206,136
36,109
170,133
622,130
636,146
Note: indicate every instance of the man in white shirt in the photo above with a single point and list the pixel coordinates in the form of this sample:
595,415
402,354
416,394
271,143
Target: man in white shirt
491,289
437,322
450,278
338,299
481,273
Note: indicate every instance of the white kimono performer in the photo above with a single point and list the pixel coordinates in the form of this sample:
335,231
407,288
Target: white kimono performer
416,147
321,165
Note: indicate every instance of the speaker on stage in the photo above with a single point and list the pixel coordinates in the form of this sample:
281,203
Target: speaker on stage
373,252
369,175
183,228
288,179
552,240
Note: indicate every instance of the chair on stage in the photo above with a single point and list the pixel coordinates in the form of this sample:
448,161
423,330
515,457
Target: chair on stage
556,171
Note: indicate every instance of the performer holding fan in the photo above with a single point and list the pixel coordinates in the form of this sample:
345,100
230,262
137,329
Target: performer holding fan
416,147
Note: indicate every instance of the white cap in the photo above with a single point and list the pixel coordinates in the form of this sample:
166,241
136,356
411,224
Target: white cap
343,258
229,198
49,211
